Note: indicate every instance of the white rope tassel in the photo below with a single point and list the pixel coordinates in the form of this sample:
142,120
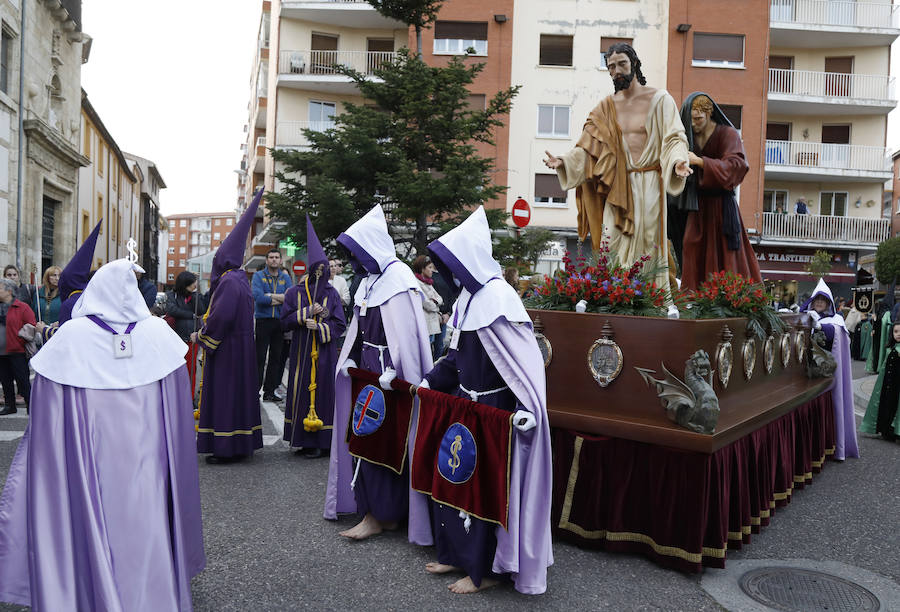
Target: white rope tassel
355,474
467,520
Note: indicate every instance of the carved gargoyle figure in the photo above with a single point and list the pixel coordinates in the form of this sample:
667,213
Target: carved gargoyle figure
820,362
691,403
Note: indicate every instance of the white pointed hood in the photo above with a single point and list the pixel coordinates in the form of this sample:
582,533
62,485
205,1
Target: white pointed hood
80,353
830,315
371,244
465,254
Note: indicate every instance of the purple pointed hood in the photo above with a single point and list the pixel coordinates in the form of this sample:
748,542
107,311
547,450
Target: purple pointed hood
230,255
77,272
315,256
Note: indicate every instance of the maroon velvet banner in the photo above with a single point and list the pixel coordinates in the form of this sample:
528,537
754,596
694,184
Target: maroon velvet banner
462,455
379,420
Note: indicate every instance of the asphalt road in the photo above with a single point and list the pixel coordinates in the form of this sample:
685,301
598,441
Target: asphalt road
268,547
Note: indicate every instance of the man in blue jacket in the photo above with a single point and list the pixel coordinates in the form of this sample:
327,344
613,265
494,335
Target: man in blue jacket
269,285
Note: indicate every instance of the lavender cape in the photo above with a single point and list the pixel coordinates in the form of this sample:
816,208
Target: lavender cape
230,423
411,356
845,444
524,548
132,537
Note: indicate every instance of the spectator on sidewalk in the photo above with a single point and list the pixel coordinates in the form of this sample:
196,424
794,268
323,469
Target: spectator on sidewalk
424,271
13,362
46,306
24,291
269,286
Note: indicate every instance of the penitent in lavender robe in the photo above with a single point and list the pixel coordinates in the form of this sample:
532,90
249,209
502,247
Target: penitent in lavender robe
330,327
230,423
409,354
133,537
502,355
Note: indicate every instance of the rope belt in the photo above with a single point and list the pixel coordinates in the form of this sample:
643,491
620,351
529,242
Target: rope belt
474,395
381,349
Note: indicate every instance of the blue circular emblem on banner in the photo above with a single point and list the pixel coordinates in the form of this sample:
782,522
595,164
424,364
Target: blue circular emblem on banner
458,454
368,412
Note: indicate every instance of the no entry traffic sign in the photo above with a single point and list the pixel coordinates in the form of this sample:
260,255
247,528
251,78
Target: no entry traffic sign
299,267
521,213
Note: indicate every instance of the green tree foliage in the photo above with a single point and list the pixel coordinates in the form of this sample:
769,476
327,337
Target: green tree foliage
412,149
887,261
416,13
524,249
819,264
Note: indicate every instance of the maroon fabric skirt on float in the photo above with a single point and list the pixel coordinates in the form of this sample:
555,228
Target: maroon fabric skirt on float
684,509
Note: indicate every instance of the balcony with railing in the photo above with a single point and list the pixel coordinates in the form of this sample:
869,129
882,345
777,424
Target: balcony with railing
315,70
290,133
823,230
832,23
347,13
833,93
816,161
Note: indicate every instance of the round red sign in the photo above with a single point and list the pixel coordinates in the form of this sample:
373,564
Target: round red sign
521,213
299,267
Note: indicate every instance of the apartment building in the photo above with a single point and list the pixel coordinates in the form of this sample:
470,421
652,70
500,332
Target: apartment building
829,94
107,190
193,235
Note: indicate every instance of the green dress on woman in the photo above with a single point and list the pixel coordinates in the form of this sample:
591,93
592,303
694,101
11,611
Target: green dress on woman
882,394
878,353
865,339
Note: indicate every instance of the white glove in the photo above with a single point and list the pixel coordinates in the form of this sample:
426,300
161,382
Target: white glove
424,384
349,363
815,316
524,420
386,377
581,306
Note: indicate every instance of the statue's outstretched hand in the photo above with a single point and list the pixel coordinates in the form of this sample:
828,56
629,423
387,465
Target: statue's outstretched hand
552,162
683,170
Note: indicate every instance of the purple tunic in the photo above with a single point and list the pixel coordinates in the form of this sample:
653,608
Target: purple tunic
469,366
101,509
230,423
330,328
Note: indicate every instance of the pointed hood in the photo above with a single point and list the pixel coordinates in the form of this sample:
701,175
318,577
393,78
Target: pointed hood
315,256
465,254
112,296
372,246
77,272
830,314
230,254
369,242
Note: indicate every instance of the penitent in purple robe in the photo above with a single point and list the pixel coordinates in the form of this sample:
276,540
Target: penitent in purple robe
468,367
230,423
293,315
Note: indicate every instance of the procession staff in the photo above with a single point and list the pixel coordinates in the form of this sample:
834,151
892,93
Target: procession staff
101,508
230,424
387,336
313,311
494,360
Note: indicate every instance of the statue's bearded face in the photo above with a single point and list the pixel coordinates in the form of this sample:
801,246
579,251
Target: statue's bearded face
621,70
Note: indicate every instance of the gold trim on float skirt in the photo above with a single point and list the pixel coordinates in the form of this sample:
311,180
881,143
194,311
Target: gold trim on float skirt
384,465
671,551
226,434
480,518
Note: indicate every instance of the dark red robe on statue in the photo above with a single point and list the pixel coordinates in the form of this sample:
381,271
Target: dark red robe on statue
705,245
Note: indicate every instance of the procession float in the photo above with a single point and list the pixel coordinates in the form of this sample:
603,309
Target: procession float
678,437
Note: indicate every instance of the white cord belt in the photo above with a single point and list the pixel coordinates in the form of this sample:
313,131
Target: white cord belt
381,349
474,395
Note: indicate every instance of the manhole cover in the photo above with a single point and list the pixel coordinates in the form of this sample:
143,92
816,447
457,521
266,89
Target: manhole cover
799,590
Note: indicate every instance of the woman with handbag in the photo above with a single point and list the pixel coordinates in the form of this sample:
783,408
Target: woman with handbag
13,362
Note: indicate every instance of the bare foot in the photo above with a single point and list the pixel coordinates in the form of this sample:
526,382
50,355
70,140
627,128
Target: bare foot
464,586
433,567
366,528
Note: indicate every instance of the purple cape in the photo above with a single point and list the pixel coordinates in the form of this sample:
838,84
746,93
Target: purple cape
845,444
407,338
101,509
230,423
330,328
524,549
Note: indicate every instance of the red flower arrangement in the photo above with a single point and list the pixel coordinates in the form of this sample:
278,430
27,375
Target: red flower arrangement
727,294
605,286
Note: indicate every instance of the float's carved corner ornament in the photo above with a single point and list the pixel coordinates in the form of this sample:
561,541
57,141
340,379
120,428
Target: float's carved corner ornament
543,343
821,363
769,354
725,357
785,349
691,403
605,359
